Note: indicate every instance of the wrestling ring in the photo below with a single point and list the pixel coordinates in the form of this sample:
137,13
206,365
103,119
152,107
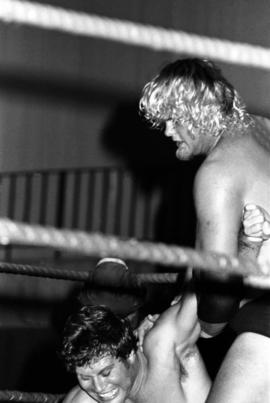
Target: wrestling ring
97,244
100,245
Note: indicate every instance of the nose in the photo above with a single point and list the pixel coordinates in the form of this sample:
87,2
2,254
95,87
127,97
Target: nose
169,129
98,384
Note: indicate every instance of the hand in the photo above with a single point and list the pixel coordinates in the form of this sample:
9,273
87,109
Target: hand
256,223
144,327
176,299
260,281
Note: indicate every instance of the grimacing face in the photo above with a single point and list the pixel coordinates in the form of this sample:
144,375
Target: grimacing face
107,379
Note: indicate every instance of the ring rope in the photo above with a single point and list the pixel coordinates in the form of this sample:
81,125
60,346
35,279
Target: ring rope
99,245
153,37
29,397
73,275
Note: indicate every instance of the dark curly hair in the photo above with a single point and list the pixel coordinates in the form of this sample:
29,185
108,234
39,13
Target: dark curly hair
94,332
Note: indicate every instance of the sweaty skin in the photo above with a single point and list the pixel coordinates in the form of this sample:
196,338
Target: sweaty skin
169,369
235,172
205,116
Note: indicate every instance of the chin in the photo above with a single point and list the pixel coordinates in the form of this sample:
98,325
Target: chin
183,157
119,399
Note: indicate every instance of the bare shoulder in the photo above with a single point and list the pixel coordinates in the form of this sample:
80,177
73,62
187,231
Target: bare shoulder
262,121
228,158
77,395
219,192
216,181
211,172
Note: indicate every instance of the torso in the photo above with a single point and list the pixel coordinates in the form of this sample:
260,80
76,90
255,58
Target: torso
247,160
235,173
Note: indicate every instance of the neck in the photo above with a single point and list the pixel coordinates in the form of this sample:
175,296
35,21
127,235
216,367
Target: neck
214,143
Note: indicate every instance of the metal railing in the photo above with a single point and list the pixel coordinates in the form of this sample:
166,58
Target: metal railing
153,205
105,200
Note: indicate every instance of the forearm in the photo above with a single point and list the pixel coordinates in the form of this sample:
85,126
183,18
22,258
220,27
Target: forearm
249,247
197,383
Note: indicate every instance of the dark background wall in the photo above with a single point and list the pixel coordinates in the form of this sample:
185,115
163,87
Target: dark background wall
59,92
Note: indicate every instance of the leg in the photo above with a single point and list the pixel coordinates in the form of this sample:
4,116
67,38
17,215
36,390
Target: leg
244,376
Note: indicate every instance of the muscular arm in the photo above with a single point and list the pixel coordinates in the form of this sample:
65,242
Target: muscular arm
218,203
170,347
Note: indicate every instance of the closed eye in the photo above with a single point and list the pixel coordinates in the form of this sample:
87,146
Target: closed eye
106,371
84,378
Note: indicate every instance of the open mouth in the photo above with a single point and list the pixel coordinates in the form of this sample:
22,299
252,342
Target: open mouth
108,395
180,144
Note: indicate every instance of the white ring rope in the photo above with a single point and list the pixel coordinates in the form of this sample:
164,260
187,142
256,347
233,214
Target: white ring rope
99,245
157,38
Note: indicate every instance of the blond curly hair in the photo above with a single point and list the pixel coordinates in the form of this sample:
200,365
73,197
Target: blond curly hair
193,93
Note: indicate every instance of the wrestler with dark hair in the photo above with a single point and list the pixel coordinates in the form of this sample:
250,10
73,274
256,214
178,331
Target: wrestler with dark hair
102,350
